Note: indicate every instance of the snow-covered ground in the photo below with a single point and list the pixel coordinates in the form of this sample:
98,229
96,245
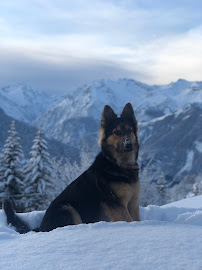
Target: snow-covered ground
168,237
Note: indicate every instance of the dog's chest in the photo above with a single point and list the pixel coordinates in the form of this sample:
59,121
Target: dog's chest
125,191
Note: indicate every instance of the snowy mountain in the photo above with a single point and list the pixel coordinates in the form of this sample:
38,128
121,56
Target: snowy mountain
169,118
80,112
168,237
24,103
171,155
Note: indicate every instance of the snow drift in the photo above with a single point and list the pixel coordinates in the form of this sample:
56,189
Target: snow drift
168,237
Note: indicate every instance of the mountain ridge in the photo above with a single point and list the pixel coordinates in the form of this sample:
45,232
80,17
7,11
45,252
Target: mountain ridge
25,103
149,102
170,129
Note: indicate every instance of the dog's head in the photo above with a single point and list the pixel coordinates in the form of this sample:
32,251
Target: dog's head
119,135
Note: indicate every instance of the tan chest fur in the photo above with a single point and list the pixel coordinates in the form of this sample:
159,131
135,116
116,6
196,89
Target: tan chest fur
126,192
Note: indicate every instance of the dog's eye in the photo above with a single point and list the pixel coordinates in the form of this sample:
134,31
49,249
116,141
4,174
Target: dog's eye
129,131
117,132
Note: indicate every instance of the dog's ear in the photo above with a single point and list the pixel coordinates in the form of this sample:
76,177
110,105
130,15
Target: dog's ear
128,113
108,114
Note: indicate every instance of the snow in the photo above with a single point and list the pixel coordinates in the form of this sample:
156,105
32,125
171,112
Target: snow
88,101
91,98
168,237
24,103
188,163
199,146
193,202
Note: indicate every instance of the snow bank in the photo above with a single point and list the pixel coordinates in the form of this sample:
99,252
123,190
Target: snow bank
166,238
187,211
184,211
172,214
194,202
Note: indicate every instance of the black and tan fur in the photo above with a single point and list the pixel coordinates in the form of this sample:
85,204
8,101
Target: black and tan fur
109,190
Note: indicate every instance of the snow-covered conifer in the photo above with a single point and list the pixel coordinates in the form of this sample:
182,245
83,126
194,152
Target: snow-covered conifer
39,175
2,182
66,172
161,186
11,168
1,168
196,186
69,172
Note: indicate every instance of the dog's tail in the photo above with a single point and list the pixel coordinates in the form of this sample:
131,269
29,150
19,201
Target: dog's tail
13,219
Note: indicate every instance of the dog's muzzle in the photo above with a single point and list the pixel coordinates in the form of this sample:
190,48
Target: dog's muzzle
128,146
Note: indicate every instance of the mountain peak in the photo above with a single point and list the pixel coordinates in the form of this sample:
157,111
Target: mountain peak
181,80
182,83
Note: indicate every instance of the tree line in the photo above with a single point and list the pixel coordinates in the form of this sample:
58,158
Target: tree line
32,184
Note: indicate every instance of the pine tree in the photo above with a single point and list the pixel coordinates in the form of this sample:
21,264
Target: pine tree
196,186
69,172
162,189
1,168
40,175
58,170
2,171
11,169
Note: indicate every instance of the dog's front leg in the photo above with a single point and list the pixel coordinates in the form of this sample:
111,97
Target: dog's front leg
134,210
117,213
133,206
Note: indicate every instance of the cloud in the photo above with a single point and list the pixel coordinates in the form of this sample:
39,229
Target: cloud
120,22
56,76
66,43
71,61
171,58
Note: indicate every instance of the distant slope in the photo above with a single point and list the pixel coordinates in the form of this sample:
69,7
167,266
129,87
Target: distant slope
83,107
24,103
169,118
170,127
169,153
27,134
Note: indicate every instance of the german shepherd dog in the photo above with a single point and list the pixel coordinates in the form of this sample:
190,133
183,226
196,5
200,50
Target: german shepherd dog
108,191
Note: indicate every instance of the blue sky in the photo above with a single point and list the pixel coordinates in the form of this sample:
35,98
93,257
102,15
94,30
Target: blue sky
58,45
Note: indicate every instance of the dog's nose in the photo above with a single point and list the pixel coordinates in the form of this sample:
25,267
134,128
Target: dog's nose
129,146
127,143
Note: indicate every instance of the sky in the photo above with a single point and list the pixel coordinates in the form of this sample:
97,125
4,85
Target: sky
60,45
